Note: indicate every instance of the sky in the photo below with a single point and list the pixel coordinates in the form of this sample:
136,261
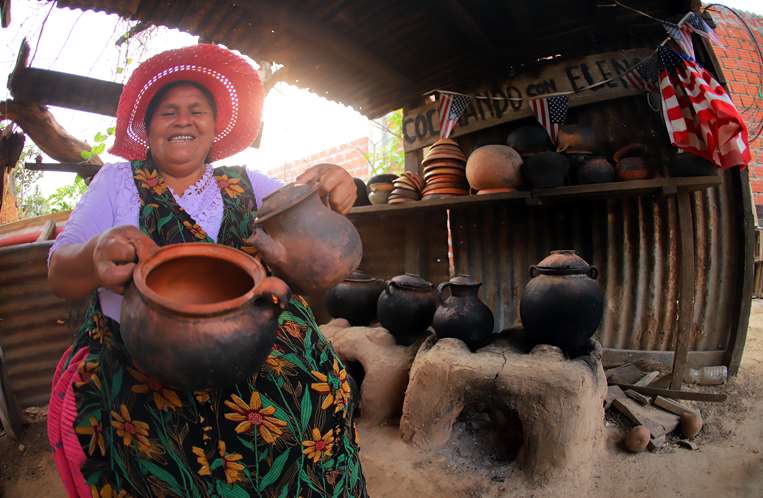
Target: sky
297,123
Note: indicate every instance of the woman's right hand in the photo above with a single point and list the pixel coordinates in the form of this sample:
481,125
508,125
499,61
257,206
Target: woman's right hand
115,256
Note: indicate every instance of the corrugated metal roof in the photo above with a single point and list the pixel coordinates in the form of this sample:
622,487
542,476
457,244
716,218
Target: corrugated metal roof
379,56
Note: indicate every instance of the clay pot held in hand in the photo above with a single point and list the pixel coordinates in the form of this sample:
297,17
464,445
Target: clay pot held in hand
201,315
630,163
406,306
546,170
303,241
462,315
562,304
494,167
355,298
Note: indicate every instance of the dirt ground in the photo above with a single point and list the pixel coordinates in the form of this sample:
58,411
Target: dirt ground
728,463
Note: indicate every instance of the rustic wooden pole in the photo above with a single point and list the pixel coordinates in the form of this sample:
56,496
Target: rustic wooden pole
685,332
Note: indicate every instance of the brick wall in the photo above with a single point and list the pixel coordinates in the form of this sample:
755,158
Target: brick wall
741,67
348,155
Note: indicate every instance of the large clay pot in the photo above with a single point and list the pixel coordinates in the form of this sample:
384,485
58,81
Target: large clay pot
462,315
362,193
562,304
686,164
578,139
406,306
494,167
528,140
630,163
303,241
355,298
593,169
201,315
546,170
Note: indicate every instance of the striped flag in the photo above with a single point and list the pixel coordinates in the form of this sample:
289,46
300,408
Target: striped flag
644,76
450,108
697,24
699,114
550,112
681,36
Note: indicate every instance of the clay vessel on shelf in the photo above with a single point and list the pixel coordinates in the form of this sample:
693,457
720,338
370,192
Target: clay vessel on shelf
686,164
630,163
303,241
406,306
546,170
200,315
592,169
528,140
355,298
362,193
462,315
578,139
494,167
562,304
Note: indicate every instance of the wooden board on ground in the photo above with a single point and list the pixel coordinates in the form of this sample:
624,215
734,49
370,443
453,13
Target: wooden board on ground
672,406
613,393
676,394
647,379
639,398
624,374
657,421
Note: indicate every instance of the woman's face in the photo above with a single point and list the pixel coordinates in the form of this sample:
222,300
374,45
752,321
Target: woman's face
181,131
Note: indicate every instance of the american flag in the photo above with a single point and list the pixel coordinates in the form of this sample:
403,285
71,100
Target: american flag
699,114
681,36
697,24
451,107
551,112
644,76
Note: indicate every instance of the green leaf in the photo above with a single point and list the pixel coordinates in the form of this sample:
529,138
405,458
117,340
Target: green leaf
85,154
116,383
306,409
98,149
100,137
120,70
94,477
354,473
275,471
247,444
292,358
232,491
284,491
338,489
161,474
163,221
306,479
218,463
111,130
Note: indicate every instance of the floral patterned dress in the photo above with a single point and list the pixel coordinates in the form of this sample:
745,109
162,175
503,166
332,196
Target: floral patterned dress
286,432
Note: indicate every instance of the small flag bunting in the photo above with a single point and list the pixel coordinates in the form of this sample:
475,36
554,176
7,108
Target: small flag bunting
697,24
644,76
681,36
550,112
699,114
450,108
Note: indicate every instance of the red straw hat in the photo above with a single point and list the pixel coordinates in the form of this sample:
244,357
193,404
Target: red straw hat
231,80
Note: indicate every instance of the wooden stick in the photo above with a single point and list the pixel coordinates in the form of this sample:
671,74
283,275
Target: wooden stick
674,394
686,305
648,378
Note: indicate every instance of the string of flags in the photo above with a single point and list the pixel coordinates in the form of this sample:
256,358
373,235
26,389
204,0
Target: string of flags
699,115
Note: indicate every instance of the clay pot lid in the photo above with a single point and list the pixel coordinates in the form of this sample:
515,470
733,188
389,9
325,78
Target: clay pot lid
359,276
411,281
563,262
284,198
382,178
465,281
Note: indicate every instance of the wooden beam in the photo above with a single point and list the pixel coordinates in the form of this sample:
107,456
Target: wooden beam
82,169
675,394
686,304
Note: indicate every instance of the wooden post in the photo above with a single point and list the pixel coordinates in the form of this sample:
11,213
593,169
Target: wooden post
686,307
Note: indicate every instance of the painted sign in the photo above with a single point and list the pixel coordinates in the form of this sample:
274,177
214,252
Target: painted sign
421,126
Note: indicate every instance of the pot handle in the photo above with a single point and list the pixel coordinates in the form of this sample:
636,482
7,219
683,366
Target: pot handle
275,290
388,286
533,271
144,248
440,289
593,272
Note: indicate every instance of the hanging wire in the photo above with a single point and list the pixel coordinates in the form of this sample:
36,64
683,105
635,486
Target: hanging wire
755,43
42,29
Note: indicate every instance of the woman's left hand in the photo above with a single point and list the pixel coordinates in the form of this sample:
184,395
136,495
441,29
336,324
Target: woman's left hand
334,182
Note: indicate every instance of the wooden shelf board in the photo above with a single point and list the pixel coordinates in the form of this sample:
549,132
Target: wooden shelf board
613,189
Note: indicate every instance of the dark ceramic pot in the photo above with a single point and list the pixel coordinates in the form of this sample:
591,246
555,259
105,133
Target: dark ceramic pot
529,140
592,169
406,306
201,315
630,163
303,241
546,170
355,298
686,164
382,178
362,192
562,304
462,315
578,139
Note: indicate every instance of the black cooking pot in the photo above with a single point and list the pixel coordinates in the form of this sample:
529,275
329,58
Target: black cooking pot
406,306
355,298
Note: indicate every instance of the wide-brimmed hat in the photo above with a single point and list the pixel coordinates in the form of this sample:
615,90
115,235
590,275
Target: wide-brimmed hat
231,80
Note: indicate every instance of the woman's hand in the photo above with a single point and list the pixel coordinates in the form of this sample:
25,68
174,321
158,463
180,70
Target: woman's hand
334,182
115,255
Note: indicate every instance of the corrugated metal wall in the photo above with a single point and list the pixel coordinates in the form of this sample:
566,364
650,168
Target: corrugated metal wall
34,325
634,243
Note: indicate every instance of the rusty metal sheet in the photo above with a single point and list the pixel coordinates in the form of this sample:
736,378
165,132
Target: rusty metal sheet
34,324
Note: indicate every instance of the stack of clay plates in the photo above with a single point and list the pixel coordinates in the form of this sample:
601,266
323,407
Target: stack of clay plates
444,170
407,188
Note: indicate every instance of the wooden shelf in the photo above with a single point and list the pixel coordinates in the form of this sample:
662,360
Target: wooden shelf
541,196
